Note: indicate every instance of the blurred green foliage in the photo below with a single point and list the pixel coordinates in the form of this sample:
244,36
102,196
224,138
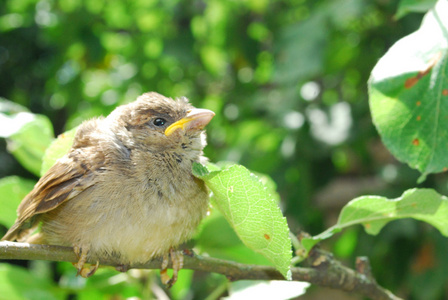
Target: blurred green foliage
287,79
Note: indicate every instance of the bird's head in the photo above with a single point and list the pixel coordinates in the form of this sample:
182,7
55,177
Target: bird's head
158,123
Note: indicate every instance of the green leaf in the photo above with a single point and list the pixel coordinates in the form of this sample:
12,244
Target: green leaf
251,211
408,93
374,212
12,190
9,107
226,245
16,283
28,135
419,6
58,148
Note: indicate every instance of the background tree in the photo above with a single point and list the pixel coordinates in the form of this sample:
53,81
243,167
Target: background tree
287,80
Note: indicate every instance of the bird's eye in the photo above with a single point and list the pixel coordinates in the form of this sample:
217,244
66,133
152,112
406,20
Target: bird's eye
159,122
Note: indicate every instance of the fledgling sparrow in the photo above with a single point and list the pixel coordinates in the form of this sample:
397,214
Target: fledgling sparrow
125,189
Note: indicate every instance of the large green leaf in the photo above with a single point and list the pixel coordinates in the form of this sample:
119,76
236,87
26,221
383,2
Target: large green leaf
374,212
226,244
408,93
9,107
252,211
12,190
28,135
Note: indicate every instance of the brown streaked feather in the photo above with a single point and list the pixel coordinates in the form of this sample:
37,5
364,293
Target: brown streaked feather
68,177
49,193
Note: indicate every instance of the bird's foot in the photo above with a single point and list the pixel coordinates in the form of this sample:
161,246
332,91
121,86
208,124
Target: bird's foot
188,252
177,260
81,254
122,268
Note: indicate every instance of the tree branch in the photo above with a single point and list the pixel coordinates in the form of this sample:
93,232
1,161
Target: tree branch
324,270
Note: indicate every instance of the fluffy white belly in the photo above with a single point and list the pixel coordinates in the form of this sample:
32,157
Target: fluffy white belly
132,226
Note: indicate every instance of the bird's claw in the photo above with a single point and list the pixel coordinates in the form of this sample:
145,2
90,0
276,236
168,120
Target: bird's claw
81,254
177,260
122,268
87,272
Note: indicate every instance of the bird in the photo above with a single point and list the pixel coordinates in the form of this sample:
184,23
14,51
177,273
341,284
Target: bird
125,189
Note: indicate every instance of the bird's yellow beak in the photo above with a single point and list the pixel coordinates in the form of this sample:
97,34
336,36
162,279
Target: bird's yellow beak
196,119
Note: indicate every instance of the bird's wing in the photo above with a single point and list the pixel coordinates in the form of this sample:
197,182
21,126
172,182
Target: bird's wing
69,176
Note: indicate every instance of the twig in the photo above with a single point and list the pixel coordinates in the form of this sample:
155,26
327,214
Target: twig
324,271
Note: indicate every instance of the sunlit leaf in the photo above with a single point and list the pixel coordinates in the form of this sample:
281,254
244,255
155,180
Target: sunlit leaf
409,6
12,190
408,94
9,107
251,211
28,135
226,244
374,212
